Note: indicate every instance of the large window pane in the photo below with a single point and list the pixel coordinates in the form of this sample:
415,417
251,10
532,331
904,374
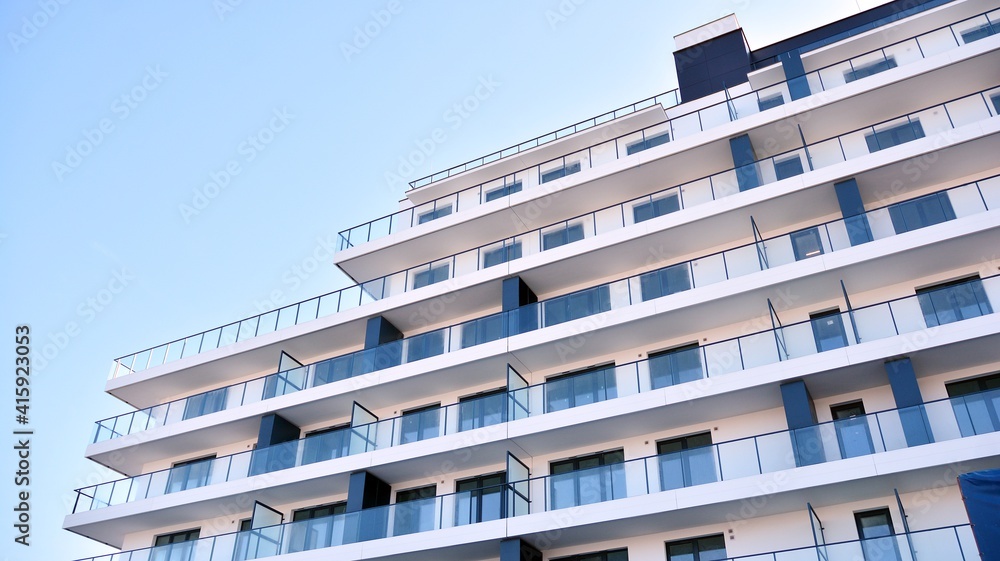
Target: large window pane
666,281
950,302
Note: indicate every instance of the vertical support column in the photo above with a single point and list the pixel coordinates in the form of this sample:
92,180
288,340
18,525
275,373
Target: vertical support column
383,345
269,456
800,414
744,160
517,302
516,549
798,85
366,492
852,208
906,392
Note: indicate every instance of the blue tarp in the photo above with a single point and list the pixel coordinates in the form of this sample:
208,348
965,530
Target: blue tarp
981,493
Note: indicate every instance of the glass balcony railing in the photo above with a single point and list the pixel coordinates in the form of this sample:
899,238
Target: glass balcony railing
422,515
876,224
938,544
936,421
666,99
829,77
956,113
874,433
959,112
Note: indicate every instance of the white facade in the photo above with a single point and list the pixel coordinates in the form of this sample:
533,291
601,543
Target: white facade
637,233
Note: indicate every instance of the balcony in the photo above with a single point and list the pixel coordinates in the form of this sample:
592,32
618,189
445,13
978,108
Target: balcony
935,421
828,77
872,434
938,544
863,142
877,224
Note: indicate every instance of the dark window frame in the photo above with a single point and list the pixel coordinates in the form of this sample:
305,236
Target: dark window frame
477,487
434,214
186,466
697,547
480,415
560,172
929,298
505,190
647,142
675,371
654,208
688,450
503,254
431,275
563,236
870,69
879,140
424,421
600,381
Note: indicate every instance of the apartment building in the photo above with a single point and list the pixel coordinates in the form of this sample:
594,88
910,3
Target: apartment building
751,318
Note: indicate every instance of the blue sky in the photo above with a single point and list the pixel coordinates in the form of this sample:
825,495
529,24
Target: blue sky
174,166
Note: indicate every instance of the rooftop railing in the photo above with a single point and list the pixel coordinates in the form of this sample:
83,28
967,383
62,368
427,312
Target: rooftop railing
887,134
894,429
666,99
880,223
829,77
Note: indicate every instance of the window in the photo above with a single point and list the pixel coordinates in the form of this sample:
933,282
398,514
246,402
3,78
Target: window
976,404
434,214
420,424
190,474
676,366
587,479
577,305
976,33
828,330
506,190
788,167
326,444
580,388
875,532
178,546
869,69
479,499
806,243
564,235
482,330
995,98
567,169
316,527
953,301
666,281
851,426
686,461
415,510
205,403
894,135
656,207
765,103
647,143
613,555
502,254
708,548
425,345
482,410
921,212
430,276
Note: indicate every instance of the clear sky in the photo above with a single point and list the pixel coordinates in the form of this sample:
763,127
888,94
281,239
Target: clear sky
115,116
